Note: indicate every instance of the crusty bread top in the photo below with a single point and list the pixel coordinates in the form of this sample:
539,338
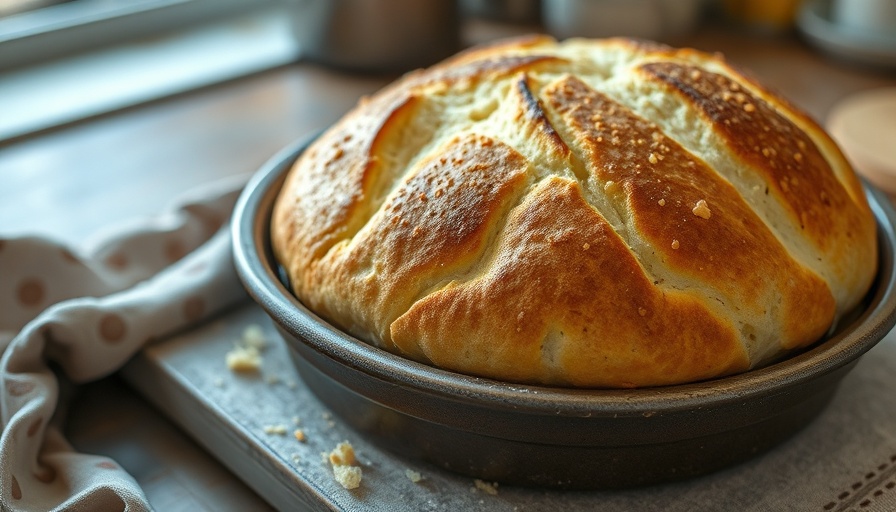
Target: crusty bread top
604,213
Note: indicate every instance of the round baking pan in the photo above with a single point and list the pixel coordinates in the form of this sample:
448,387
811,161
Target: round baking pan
547,436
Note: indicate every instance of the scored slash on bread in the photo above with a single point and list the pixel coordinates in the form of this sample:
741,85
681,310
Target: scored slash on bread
593,213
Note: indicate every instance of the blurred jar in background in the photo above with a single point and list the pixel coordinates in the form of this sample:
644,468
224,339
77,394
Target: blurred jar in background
764,16
507,11
871,16
647,19
376,35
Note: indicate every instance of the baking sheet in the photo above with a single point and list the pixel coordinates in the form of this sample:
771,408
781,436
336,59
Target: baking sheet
845,459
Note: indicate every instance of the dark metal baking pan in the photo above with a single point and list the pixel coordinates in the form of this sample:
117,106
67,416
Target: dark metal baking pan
546,436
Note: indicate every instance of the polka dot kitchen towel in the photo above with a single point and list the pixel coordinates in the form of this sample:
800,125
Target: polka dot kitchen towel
85,313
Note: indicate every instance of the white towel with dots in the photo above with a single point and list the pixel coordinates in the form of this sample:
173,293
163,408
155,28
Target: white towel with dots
86,312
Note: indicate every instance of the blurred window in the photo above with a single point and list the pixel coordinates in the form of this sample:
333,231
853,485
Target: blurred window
71,60
33,31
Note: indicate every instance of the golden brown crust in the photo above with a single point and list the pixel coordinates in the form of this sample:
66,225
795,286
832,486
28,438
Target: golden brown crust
350,167
533,111
566,303
435,225
587,214
793,168
720,244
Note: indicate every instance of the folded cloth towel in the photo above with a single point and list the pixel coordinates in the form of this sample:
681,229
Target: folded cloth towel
85,312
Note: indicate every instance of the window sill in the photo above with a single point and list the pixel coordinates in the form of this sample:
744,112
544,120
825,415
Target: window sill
54,93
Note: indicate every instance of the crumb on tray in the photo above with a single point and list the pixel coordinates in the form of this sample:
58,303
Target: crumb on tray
413,476
343,454
253,336
486,487
243,359
279,430
348,476
246,354
345,469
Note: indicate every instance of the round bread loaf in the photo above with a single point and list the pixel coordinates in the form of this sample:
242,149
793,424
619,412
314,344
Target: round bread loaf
594,213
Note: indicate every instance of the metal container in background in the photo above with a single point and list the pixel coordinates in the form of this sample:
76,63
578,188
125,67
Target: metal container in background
507,11
648,19
376,35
